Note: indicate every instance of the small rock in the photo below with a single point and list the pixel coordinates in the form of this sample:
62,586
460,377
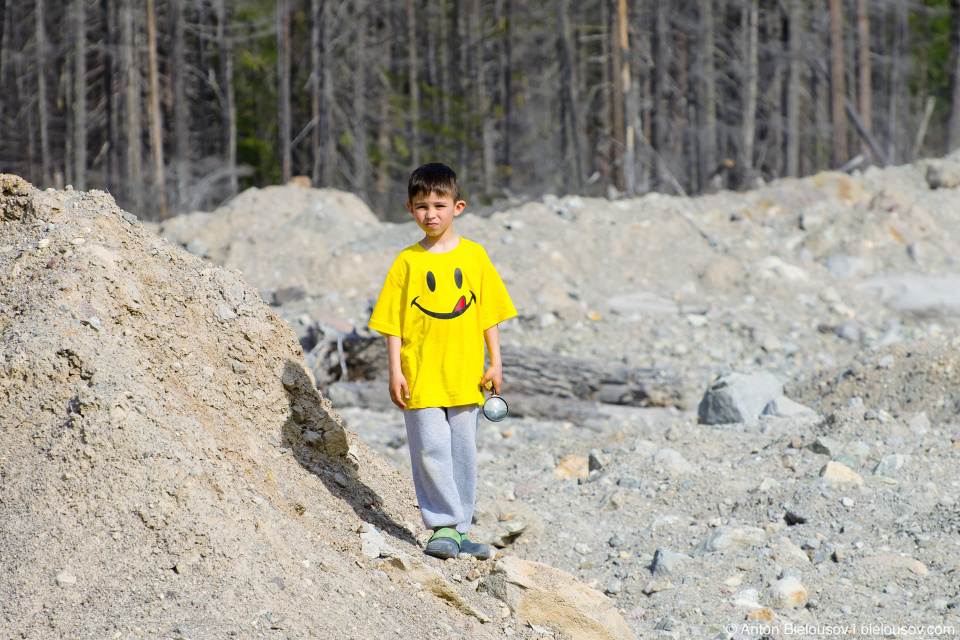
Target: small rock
939,178
847,460
548,319
66,579
573,466
786,593
919,424
665,562
671,461
793,518
738,397
889,464
765,614
596,460
768,484
826,446
224,314
847,501
840,474
730,538
93,322
784,407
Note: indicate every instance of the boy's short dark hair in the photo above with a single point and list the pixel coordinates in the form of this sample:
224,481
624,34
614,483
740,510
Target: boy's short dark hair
433,177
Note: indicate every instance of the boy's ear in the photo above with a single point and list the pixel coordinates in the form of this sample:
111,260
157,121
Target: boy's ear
459,207
410,208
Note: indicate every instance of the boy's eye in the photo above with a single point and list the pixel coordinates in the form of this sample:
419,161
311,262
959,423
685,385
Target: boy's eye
432,281
457,277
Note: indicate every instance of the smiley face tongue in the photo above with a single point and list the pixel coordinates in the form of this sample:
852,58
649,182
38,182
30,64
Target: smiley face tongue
461,305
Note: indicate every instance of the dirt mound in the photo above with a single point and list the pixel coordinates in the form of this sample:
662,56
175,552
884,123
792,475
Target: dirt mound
167,468
906,379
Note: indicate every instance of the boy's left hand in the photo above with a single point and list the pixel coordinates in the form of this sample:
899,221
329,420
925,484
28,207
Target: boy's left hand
492,378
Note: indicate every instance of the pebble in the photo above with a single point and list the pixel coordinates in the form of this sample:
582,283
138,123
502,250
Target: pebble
889,464
66,579
787,593
666,562
840,474
93,322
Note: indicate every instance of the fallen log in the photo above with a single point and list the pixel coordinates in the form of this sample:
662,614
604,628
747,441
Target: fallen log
351,370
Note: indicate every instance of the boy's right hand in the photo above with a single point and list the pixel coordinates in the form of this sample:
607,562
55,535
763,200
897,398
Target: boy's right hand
399,391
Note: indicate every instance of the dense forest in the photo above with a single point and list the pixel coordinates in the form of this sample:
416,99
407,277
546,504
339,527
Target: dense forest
175,105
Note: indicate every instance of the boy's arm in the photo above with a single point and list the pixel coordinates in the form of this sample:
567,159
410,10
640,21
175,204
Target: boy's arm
494,374
398,383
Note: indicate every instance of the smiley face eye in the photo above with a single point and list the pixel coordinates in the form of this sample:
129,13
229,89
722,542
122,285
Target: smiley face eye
457,277
431,281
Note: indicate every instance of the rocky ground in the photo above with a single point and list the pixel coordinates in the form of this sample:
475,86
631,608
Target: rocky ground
168,470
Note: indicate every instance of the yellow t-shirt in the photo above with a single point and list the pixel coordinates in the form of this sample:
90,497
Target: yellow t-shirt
439,304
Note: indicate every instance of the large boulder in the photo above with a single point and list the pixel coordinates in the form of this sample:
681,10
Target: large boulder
541,595
738,397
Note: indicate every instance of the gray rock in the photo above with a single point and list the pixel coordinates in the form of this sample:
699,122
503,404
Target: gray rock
666,562
889,464
939,178
198,248
66,579
738,397
844,266
784,407
596,460
93,322
671,461
847,460
730,538
825,445
225,314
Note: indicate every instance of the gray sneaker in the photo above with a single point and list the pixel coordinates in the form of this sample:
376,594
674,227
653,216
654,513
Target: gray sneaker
475,549
443,544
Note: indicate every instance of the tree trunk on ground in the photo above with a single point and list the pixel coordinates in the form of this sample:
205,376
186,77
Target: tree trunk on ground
540,384
79,96
131,107
283,73
794,22
837,92
41,36
865,88
156,131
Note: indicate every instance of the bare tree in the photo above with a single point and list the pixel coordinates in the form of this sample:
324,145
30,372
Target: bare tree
79,96
229,115
750,23
130,72
953,135
41,36
837,92
794,26
865,88
156,129
283,76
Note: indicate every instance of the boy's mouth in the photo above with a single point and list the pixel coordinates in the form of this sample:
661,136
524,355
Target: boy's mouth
458,310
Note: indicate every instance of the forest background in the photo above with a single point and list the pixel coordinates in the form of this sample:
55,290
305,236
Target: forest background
176,105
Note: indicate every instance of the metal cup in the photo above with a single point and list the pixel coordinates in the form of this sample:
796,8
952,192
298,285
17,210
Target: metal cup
495,408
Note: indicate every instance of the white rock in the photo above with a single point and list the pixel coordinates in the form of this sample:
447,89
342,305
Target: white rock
738,397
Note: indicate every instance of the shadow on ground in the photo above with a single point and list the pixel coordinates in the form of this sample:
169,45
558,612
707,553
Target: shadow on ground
319,444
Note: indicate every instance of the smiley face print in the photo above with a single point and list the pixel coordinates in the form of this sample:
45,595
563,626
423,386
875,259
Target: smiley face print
462,302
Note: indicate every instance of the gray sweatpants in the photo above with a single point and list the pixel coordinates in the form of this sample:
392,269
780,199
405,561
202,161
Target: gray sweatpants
443,454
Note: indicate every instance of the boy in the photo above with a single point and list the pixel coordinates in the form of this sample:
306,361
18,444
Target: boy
442,299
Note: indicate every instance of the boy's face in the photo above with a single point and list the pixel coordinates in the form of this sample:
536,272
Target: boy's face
435,213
